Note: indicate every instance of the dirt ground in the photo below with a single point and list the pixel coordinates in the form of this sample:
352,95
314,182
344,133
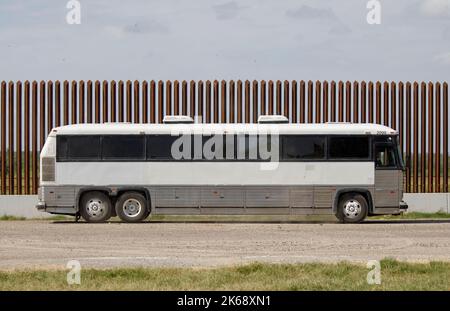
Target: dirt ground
47,244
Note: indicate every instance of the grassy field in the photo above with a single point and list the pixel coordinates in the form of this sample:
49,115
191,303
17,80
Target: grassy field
10,217
257,276
414,215
18,218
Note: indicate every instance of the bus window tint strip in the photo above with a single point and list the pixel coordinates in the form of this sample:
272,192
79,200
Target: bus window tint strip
61,148
129,147
84,147
348,147
166,147
159,147
298,147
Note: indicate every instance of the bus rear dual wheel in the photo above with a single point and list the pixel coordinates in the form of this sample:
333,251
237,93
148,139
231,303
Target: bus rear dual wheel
353,208
95,206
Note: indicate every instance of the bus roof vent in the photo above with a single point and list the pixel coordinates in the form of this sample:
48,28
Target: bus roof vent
178,119
272,119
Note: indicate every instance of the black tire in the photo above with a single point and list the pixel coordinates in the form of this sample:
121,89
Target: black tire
95,206
352,208
132,207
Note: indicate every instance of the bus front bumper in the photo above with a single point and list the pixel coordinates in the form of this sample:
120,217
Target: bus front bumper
403,206
40,206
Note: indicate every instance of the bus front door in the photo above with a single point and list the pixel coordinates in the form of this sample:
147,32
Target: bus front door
388,178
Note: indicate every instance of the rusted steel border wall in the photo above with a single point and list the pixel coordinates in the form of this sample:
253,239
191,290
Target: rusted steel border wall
418,110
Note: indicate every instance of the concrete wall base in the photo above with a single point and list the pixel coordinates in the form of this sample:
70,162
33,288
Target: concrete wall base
20,206
428,202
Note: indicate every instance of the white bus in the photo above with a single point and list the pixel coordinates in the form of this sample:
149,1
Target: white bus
96,171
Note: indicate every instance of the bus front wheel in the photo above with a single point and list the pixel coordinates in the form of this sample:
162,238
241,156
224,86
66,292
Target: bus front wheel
95,206
352,208
132,207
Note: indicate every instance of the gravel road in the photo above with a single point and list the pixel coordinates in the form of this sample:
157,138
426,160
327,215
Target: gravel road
46,244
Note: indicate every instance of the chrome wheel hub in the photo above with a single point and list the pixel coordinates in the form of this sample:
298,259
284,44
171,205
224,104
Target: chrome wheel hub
352,209
132,207
95,208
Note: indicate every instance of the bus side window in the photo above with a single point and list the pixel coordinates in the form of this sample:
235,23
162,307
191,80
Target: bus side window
61,148
84,147
348,148
385,156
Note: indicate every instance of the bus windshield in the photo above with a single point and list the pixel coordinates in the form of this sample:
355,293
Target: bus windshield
400,157
388,154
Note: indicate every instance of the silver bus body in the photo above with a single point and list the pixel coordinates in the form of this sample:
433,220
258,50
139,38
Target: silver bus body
225,186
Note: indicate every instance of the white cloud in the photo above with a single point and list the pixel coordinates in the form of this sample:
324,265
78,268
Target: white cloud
138,28
320,16
340,29
143,27
446,33
435,8
443,58
227,10
308,12
260,39
115,31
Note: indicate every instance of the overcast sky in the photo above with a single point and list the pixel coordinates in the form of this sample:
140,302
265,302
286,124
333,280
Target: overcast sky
222,39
